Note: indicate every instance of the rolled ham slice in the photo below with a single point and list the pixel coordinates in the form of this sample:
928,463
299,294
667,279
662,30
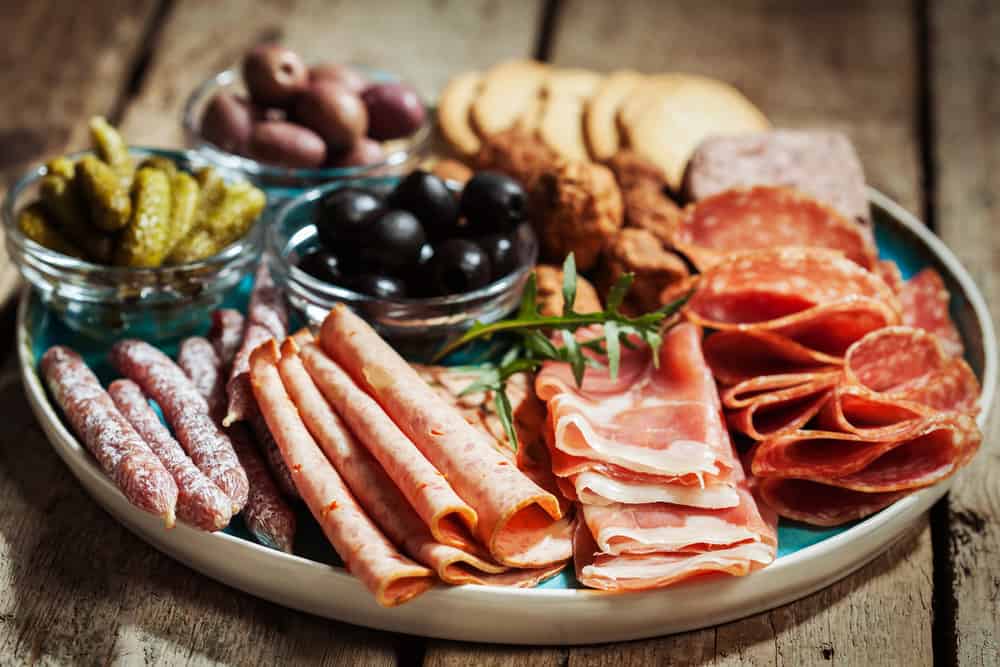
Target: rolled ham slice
925,299
368,554
521,524
742,219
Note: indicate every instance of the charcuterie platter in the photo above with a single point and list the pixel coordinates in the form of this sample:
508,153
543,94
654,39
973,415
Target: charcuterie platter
622,361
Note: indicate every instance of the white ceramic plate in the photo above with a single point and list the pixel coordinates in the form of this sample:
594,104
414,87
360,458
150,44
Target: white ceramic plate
546,615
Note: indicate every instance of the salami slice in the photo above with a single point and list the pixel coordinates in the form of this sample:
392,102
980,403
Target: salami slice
368,554
764,217
521,523
120,451
925,298
186,412
770,405
742,356
821,504
200,503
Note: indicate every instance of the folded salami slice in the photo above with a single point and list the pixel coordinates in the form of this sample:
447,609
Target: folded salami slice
769,405
368,554
861,411
380,496
521,523
744,356
889,271
763,217
925,306
821,504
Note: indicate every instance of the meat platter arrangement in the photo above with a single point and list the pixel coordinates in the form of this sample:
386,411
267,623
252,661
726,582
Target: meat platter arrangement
709,364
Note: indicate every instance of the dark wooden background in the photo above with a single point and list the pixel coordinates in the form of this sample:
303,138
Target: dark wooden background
915,84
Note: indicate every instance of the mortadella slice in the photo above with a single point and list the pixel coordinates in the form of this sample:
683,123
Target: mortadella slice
368,554
521,523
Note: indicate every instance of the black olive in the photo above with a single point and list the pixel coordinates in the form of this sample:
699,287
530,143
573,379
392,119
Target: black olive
426,196
502,252
322,265
459,266
393,242
344,218
379,286
492,203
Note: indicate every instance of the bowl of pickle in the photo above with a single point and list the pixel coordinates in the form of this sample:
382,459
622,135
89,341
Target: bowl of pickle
420,258
120,240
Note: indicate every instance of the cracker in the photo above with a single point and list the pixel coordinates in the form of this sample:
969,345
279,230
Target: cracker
507,92
600,115
566,96
453,112
677,116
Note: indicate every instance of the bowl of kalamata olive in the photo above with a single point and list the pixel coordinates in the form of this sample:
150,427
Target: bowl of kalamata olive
419,258
288,127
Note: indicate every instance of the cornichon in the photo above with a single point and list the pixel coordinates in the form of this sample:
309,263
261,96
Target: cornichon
184,191
34,224
61,166
66,208
146,240
160,162
235,214
110,204
197,245
113,150
213,189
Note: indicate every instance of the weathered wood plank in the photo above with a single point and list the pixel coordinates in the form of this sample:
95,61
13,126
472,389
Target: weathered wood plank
796,61
59,66
966,106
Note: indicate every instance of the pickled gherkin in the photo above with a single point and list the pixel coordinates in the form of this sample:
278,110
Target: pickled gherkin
198,245
61,166
160,162
110,204
241,204
184,193
111,147
34,224
213,189
146,241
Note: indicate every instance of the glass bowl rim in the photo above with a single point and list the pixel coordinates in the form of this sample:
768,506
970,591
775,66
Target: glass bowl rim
275,251
251,241
416,143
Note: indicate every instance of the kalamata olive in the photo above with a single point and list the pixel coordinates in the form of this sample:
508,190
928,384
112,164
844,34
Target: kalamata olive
334,113
394,110
345,75
227,122
394,242
492,202
379,286
344,219
286,144
363,153
502,252
274,74
426,196
459,266
322,265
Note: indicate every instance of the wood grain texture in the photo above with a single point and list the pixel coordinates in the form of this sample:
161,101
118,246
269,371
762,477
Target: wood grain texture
966,152
57,68
794,62
425,42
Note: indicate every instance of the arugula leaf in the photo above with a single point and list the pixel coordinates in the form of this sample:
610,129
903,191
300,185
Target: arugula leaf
614,350
569,284
506,414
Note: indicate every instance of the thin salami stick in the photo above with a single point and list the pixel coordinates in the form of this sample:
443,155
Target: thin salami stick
200,503
267,318
267,516
226,334
369,555
269,448
186,412
120,451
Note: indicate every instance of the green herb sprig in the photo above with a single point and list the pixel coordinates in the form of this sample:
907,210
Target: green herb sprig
534,347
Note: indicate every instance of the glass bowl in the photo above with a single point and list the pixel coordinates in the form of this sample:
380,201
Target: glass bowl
108,302
417,328
283,183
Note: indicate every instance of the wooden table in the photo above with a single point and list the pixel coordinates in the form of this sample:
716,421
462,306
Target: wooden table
913,83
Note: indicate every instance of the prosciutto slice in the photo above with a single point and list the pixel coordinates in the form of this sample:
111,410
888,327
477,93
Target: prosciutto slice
767,217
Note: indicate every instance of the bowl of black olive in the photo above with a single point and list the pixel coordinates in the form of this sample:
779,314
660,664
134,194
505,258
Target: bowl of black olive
420,258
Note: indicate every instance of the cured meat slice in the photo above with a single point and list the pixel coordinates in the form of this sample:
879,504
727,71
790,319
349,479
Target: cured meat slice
920,453
763,217
858,410
769,405
662,527
379,495
743,356
226,334
889,271
909,364
925,298
663,420
521,524
368,554
450,519
821,504
629,572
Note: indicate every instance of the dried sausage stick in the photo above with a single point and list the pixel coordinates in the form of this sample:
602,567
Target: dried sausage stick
187,412
200,503
120,451
226,334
